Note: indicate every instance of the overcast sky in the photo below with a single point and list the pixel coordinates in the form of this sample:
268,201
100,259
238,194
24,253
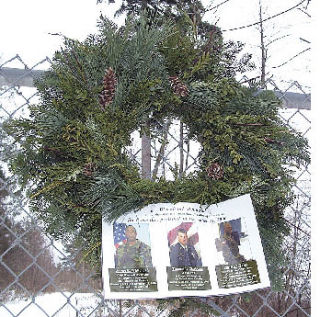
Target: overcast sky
25,28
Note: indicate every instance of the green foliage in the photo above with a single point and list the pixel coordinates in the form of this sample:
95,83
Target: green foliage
70,153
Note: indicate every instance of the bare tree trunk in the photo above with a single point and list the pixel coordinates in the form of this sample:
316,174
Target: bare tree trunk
161,153
263,48
187,154
120,307
181,150
146,154
144,4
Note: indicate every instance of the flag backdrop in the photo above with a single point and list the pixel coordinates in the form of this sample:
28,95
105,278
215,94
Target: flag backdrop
119,234
192,233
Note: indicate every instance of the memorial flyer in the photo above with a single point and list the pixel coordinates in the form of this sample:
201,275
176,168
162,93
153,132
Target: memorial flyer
184,249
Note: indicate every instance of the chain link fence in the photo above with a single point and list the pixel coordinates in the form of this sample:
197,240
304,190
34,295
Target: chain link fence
38,277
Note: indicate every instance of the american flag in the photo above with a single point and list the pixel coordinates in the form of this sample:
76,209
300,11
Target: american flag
119,234
193,236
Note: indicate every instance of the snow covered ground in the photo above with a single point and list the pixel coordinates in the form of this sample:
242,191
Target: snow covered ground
54,304
77,305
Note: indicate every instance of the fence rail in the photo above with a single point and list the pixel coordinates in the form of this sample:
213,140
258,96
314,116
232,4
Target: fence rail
25,77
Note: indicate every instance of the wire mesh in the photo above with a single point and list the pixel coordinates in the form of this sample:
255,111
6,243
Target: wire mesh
33,280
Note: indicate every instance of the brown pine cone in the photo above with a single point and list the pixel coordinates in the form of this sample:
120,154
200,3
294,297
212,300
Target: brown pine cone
215,171
109,88
178,87
88,169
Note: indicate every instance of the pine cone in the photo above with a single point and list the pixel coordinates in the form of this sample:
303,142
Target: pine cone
271,141
109,88
88,169
178,87
215,171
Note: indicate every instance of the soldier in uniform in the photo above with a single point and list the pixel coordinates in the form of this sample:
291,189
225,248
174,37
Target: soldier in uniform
229,245
134,253
183,254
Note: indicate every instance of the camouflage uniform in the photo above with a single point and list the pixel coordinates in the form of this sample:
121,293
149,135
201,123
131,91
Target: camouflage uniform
137,255
230,250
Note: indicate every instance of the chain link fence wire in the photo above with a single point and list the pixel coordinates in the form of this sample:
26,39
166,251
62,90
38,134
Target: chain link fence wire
38,277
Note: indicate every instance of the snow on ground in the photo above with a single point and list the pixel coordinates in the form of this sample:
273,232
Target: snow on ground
54,304
67,304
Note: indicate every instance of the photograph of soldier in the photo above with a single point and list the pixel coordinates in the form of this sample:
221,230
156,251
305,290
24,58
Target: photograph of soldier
183,253
133,253
229,242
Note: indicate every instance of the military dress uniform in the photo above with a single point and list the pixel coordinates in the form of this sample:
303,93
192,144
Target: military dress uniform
181,256
137,255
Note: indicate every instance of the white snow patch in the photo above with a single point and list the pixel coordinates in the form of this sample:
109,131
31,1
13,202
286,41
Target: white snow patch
63,304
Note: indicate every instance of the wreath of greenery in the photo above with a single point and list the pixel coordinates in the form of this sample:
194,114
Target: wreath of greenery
70,155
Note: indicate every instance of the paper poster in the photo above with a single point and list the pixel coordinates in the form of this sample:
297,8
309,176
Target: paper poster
184,249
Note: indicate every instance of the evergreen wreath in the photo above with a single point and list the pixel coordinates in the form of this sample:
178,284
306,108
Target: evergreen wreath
70,153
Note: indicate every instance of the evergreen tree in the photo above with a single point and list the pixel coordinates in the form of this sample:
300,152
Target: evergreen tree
169,8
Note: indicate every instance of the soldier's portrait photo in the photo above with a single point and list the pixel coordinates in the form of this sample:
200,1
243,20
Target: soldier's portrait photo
182,241
229,241
130,251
